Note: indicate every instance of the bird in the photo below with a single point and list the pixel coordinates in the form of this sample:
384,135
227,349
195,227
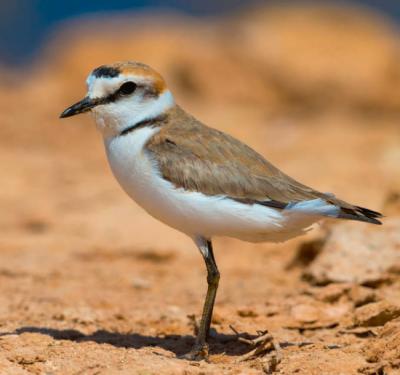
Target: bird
194,178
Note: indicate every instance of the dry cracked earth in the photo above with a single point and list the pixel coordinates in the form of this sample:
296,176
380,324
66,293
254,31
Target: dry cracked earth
90,284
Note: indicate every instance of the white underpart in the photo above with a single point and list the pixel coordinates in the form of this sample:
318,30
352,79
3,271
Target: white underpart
193,213
197,214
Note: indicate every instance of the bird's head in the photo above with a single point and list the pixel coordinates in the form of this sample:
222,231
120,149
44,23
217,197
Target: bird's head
121,95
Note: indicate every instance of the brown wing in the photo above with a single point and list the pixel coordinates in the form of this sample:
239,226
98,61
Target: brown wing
195,157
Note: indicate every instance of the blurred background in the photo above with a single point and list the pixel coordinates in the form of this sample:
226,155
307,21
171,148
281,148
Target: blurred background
303,82
26,25
314,86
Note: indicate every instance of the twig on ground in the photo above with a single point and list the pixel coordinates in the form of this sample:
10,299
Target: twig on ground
262,343
193,322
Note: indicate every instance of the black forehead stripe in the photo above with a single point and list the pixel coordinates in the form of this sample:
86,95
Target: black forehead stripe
106,71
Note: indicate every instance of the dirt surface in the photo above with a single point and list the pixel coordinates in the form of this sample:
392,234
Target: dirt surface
90,284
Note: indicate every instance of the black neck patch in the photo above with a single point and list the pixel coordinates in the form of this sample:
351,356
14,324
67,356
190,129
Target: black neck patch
141,124
106,72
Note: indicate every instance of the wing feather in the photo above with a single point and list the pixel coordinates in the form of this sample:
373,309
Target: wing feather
195,157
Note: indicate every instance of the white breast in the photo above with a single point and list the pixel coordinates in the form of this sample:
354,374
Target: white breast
194,213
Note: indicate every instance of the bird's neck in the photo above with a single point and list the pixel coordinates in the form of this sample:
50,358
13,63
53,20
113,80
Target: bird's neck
115,118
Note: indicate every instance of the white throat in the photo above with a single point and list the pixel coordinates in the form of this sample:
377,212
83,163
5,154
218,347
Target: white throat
112,118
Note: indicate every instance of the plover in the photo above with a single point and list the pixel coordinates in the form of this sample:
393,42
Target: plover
194,178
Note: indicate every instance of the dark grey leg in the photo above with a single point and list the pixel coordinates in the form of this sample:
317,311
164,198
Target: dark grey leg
200,348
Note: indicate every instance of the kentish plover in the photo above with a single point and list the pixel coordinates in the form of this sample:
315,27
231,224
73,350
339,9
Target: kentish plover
194,178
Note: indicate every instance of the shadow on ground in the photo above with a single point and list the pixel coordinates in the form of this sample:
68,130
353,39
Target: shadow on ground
177,344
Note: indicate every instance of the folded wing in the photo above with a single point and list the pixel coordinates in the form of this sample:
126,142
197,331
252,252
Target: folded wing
195,157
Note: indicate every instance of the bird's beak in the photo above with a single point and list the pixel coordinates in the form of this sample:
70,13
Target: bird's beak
85,105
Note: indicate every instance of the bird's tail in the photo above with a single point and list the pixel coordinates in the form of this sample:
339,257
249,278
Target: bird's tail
360,214
330,206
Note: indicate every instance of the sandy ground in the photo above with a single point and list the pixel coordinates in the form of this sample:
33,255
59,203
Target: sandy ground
90,284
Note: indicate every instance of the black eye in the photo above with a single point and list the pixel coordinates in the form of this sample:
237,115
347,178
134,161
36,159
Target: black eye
127,88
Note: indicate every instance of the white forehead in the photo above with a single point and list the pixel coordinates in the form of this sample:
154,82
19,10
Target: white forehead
100,87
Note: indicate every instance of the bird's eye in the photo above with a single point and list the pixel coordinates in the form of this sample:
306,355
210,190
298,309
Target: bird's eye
127,88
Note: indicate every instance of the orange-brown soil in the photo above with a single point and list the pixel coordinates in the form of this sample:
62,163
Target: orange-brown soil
90,284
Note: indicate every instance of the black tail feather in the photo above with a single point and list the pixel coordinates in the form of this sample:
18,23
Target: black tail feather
360,214
369,213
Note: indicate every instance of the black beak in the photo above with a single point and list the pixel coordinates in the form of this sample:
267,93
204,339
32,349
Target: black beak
85,105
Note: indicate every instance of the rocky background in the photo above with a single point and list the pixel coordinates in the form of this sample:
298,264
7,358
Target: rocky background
90,284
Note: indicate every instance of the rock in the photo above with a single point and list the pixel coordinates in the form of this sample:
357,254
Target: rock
311,314
84,315
360,331
140,283
384,351
375,314
330,293
272,310
304,313
360,295
247,313
356,253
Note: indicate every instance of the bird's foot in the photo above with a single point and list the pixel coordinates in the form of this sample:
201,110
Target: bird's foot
197,353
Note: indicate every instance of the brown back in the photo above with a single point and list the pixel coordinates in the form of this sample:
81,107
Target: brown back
198,158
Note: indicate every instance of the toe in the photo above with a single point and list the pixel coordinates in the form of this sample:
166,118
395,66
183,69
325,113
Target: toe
198,353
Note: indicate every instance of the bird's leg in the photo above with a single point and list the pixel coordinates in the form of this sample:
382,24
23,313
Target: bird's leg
200,348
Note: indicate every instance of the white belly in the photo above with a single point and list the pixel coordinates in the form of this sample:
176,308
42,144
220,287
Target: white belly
194,213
